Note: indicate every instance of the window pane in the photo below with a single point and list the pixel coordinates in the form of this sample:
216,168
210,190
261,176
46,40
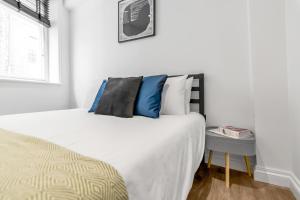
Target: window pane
29,4
22,47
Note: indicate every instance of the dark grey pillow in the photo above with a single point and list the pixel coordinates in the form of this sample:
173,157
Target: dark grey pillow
119,97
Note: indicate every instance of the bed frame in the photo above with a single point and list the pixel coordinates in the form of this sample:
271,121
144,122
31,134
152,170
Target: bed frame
200,89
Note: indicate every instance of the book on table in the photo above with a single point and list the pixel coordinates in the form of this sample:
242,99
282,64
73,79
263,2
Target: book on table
233,132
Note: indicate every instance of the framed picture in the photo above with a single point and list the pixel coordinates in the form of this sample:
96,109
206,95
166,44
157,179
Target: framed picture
136,19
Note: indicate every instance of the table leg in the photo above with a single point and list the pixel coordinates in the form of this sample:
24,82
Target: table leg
248,165
209,158
227,169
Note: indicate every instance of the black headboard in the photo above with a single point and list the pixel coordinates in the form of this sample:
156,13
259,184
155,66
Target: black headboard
200,89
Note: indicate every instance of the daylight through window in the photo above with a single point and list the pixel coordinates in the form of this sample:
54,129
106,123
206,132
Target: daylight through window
23,47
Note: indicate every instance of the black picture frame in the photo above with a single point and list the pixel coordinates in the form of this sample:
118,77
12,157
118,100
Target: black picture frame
150,31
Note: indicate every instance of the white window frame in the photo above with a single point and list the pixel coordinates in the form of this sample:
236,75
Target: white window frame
46,54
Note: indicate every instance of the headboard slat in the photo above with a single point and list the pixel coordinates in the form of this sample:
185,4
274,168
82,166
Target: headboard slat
195,89
195,101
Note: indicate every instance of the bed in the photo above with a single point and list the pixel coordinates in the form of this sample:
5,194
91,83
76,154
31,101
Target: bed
156,158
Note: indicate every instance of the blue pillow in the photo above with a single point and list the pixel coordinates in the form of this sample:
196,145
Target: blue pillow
148,101
98,97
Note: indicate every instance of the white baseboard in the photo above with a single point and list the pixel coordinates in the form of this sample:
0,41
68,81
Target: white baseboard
272,176
295,186
278,177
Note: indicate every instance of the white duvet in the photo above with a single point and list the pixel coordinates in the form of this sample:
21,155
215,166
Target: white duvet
156,157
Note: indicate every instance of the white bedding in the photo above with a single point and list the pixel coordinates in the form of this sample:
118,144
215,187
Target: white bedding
156,157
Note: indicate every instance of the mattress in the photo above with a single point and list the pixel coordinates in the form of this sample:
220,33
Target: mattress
157,158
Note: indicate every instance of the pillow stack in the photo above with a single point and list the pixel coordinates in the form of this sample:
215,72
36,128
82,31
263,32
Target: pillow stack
144,96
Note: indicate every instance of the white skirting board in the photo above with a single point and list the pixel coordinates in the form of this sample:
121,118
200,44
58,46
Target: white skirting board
295,186
280,178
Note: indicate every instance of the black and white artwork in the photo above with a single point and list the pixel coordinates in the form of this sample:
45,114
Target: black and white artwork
136,19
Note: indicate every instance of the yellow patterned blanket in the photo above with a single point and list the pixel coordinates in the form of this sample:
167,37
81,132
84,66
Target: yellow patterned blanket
31,168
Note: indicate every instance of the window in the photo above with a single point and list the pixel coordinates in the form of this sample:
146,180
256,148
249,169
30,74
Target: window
23,47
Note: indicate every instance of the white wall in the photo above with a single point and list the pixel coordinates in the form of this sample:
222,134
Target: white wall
270,84
293,58
21,97
274,39
199,37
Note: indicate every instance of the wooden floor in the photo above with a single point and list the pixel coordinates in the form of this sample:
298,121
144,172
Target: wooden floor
212,187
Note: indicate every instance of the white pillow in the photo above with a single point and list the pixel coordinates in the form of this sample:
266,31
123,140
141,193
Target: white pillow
188,93
173,96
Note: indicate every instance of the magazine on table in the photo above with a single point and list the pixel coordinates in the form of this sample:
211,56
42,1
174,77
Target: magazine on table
233,132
